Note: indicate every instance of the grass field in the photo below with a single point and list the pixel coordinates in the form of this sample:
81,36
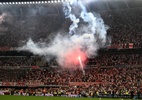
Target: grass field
50,98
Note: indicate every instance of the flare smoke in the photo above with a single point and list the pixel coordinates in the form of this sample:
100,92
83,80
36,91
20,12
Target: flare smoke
82,41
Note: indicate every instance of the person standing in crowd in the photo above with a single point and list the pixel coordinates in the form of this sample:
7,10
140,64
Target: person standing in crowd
131,94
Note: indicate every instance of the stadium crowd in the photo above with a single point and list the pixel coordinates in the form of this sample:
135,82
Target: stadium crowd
116,59
108,73
100,60
101,79
25,27
124,27
16,61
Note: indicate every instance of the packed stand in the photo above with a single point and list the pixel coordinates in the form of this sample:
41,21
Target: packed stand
115,59
125,26
22,28
105,80
13,61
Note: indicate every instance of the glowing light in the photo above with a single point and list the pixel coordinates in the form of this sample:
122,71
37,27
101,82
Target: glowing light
79,59
55,1
34,2
81,65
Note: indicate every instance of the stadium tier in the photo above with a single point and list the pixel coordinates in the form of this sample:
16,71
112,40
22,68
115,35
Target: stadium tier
31,21
71,48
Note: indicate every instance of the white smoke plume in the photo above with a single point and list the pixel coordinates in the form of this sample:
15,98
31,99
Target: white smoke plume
61,46
84,40
5,17
2,17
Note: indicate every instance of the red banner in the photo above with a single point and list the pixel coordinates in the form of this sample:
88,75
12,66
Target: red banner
20,84
8,83
131,45
35,67
87,83
5,48
33,84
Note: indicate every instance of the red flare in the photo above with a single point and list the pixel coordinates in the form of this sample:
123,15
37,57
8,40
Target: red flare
71,58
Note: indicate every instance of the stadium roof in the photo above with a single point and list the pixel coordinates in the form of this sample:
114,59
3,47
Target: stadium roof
97,5
103,5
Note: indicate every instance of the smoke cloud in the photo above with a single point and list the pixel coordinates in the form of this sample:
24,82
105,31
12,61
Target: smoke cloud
82,41
2,17
5,18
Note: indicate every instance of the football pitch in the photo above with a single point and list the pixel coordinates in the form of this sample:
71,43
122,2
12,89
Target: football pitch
52,98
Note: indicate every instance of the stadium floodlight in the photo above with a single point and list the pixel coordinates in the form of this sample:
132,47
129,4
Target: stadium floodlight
49,1
55,1
52,1
46,2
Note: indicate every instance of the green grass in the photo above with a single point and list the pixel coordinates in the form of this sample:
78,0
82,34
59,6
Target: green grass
51,98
